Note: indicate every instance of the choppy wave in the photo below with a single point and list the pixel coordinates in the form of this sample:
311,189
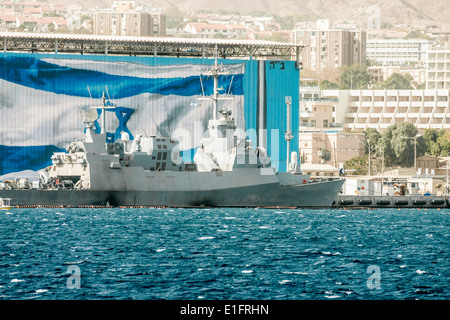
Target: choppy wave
146,254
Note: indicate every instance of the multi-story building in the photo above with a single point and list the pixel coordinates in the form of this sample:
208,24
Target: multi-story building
332,147
438,68
124,20
397,51
381,73
129,24
321,137
207,30
330,49
378,109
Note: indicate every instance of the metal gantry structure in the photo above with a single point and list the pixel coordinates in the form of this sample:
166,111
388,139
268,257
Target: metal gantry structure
149,46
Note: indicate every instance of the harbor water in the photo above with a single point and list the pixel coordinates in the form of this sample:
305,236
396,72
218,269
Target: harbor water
232,254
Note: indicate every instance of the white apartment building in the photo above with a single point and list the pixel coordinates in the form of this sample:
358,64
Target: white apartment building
378,109
438,69
397,51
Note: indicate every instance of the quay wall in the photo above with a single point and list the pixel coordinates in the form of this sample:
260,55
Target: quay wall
410,201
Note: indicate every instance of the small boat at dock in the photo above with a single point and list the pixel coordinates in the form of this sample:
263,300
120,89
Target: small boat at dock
5,204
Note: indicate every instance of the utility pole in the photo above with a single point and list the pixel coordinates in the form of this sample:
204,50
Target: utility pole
446,187
368,144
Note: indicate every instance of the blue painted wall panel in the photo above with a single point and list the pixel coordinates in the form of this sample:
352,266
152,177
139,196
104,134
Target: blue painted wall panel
282,79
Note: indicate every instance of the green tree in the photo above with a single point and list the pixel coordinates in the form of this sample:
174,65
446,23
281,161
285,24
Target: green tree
398,144
358,165
437,142
355,77
397,81
327,84
374,138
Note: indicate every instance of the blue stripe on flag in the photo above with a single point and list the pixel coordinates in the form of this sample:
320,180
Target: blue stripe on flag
16,158
41,75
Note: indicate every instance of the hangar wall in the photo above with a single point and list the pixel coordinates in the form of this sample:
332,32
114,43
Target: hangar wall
44,98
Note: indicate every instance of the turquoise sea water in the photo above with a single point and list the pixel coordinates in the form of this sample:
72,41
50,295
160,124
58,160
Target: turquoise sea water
218,254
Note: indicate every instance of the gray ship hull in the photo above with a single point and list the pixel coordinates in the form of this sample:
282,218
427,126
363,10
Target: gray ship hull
315,194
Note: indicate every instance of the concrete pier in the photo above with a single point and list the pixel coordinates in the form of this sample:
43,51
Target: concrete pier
410,201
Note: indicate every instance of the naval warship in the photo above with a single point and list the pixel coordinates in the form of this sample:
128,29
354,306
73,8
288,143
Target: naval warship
226,171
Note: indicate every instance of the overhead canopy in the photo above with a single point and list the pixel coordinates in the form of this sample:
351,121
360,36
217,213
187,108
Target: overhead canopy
156,46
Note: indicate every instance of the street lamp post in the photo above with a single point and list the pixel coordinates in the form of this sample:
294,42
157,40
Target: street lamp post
368,144
370,153
446,180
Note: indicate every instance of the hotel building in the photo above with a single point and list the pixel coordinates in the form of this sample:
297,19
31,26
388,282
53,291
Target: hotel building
438,69
358,110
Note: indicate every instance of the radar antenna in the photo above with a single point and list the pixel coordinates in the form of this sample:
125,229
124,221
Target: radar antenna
215,72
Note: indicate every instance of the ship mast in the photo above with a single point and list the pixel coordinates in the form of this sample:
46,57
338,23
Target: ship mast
104,107
215,72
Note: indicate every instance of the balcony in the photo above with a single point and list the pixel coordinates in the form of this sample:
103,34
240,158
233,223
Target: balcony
391,103
319,99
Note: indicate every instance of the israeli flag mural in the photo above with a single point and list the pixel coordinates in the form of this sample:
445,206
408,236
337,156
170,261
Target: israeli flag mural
44,99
